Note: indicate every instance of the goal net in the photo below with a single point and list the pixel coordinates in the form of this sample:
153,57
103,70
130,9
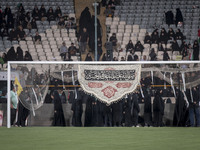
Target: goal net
103,83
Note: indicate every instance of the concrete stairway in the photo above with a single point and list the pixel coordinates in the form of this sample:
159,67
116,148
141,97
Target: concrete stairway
79,7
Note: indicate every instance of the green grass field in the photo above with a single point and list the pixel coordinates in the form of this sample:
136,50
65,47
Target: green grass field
72,138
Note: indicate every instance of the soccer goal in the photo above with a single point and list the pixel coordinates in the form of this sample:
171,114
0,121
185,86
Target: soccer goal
107,82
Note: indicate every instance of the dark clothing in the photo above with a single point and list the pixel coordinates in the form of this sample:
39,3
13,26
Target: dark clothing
84,37
175,46
13,116
129,46
196,51
135,109
28,56
158,109
117,113
179,16
11,55
127,119
37,38
147,39
22,115
19,56
113,39
180,110
139,47
166,56
169,16
58,111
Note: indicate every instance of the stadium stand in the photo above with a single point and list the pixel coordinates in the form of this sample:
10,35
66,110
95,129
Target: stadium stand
132,19
52,36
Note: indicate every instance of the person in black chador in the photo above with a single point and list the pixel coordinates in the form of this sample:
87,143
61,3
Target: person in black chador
11,55
135,109
129,46
180,110
196,50
175,46
166,56
27,56
158,108
22,111
107,115
88,57
147,108
58,110
194,108
169,16
127,120
179,16
97,113
76,108
85,20
139,47
19,54
117,113
155,37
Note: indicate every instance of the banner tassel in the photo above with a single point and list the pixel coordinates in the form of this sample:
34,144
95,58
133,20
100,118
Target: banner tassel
172,84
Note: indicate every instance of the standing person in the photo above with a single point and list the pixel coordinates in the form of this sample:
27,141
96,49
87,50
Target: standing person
63,51
147,109
117,113
127,119
22,111
135,109
19,54
196,50
194,109
14,102
84,39
107,115
179,16
113,39
58,110
158,108
99,48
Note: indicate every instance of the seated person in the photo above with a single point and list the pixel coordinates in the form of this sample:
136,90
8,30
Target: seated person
109,12
20,33
139,47
63,51
50,15
72,50
13,35
129,46
152,55
61,23
37,38
147,39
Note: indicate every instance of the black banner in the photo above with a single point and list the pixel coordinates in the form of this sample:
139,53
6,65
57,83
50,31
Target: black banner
109,75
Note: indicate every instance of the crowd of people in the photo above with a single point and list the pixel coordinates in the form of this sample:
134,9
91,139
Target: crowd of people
175,39
13,23
86,110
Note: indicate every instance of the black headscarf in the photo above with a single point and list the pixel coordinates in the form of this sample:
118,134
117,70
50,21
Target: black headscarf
88,58
11,55
28,56
19,54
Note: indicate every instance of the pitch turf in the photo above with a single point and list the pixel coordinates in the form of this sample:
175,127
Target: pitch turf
72,138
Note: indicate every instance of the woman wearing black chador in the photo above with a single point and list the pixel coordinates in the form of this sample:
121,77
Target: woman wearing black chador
58,110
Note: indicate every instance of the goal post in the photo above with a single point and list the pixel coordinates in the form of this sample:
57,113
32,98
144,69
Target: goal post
123,63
